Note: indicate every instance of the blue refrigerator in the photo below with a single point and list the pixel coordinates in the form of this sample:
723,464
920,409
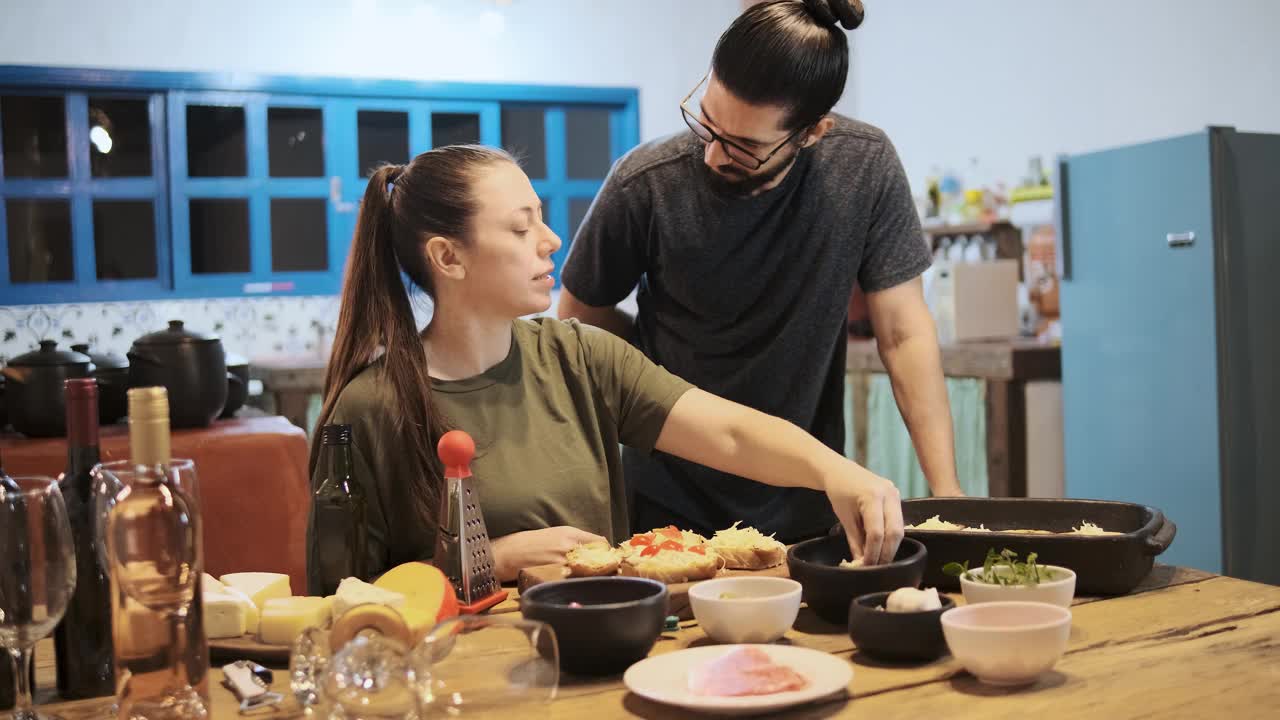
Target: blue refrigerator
1169,255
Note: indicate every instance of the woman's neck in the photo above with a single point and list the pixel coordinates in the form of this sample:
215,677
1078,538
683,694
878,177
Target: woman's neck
460,345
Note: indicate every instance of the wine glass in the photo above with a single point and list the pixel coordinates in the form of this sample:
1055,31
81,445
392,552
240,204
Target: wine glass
486,664
38,575
151,541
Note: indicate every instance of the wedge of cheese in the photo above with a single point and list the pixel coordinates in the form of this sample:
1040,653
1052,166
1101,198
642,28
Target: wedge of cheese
284,619
252,615
209,583
352,592
259,586
225,615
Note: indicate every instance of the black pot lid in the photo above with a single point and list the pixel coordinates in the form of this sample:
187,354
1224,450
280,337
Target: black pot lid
175,335
102,361
234,360
49,356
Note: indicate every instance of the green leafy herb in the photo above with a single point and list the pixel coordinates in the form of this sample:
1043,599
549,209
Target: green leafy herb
1003,568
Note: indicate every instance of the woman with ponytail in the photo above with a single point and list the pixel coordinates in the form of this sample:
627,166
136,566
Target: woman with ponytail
744,237
547,401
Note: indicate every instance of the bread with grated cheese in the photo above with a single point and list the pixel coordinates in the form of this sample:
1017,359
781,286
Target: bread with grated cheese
747,548
593,559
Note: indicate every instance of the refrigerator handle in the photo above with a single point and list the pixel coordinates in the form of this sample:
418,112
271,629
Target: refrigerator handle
1062,220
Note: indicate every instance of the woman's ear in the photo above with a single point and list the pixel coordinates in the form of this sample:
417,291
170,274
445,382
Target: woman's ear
820,128
444,259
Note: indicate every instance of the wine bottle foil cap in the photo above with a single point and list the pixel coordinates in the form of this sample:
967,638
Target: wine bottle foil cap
81,387
148,403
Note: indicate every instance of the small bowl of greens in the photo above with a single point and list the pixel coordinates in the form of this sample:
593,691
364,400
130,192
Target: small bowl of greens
1003,577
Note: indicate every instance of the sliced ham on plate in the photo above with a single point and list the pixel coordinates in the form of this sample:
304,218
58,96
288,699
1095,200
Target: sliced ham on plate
745,670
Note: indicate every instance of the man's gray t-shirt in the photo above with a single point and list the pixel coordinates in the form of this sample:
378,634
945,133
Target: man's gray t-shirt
747,297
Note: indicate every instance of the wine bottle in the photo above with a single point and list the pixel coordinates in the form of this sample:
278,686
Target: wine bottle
155,559
338,516
82,640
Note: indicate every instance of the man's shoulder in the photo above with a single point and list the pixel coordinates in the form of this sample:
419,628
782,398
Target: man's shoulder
849,131
663,156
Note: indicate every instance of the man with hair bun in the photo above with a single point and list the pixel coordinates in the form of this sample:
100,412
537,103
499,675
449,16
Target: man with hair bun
745,237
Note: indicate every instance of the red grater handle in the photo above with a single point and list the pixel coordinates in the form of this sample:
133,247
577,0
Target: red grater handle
456,448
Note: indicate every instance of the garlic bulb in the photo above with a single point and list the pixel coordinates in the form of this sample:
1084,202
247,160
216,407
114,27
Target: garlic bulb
909,599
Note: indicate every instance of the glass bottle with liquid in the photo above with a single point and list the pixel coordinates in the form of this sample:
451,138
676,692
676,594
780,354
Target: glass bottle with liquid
153,547
82,640
339,517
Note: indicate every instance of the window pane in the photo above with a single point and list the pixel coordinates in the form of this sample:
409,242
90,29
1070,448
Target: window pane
119,137
383,137
219,236
35,136
577,211
124,239
295,142
524,135
299,234
39,240
215,142
455,129
587,143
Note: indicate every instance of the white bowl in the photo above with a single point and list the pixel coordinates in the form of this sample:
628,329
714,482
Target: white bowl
1007,643
1055,592
760,610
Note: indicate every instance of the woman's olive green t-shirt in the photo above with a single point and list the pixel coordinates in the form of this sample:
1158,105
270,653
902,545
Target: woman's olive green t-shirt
547,422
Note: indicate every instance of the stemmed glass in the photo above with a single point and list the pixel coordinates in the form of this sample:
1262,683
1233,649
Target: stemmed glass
487,664
478,665
37,576
151,532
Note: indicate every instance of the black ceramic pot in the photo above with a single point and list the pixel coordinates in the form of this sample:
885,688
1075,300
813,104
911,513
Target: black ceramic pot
191,366
829,588
33,388
603,624
237,384
112,373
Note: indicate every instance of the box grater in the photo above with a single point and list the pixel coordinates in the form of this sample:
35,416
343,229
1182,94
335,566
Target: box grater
463,552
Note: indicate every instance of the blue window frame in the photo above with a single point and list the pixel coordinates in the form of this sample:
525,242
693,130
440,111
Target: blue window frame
83,193
234,248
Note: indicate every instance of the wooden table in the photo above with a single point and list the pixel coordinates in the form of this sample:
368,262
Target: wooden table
1185,644
1006,366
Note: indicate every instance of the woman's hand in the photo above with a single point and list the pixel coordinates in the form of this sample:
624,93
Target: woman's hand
536,547
870,510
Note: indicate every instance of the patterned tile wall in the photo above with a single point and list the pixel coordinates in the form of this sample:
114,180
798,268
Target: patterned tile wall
252,327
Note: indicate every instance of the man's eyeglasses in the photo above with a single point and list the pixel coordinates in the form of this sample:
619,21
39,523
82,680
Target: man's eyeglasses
736,152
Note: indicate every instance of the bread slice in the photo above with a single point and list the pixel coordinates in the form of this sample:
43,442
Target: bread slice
673,566
593,560
747,548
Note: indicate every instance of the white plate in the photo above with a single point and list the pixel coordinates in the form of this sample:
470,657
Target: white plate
665,678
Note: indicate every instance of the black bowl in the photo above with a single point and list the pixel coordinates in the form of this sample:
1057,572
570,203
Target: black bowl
620,619
829,589
899,637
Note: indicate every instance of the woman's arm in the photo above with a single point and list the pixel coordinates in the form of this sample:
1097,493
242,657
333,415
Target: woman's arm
736,439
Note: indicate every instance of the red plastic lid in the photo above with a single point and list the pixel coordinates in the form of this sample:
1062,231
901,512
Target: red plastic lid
456,448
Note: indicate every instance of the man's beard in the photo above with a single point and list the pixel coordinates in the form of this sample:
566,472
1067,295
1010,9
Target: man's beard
733,179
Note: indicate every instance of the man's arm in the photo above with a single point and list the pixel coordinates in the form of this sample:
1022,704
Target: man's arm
908,344
608,317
